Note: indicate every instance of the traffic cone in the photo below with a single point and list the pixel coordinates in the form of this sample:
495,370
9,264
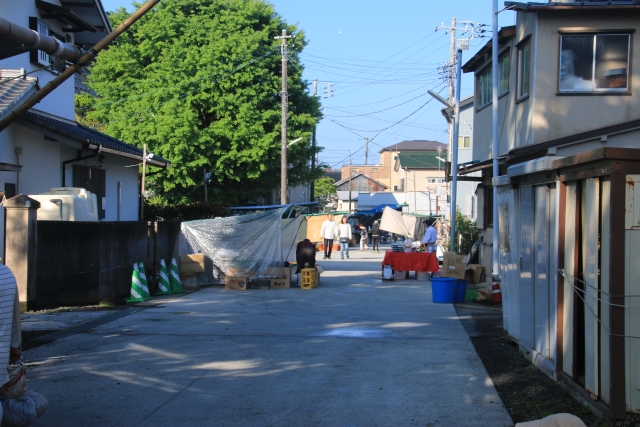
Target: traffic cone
496,293
137,294
174,279
143,280
163,284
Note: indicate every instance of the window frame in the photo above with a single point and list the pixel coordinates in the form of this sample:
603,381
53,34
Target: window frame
595,91
487,71
38,56
462,147
522,95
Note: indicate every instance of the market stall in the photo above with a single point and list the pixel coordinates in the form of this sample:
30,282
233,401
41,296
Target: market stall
411,261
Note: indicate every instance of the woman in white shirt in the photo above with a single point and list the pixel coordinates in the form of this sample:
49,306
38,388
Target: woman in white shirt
344,236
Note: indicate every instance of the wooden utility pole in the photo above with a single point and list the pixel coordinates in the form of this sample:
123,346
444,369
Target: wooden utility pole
312,188
284,96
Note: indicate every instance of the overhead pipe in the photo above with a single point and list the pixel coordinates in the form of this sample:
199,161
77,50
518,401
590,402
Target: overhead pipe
31,39
82,62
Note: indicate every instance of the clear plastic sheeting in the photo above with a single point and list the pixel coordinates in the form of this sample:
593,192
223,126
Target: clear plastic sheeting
250,245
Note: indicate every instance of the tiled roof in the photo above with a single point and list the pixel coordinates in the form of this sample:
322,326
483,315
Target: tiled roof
83,134
416,146
14,89
421,160
355,175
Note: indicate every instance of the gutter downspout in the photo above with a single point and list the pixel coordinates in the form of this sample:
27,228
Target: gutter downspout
66,162
82,62
495,266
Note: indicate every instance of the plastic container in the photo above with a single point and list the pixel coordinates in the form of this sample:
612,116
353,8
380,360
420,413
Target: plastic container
443,289
461,290
67,204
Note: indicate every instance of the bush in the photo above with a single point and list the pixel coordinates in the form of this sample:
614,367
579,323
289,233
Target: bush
156,210
468,230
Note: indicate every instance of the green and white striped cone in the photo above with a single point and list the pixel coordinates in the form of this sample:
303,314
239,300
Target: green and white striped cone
137,294
163,284
174,278
143,280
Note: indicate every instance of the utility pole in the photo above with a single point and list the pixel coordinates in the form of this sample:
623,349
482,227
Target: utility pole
366,152
415,191
205,185
144,169
312,188
457,47
284,97
350,173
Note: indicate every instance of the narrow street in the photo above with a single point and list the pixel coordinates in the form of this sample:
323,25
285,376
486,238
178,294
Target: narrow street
355,351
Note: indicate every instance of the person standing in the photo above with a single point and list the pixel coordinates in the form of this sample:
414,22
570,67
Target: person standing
364,238
375,237
430,236
344,234
328,233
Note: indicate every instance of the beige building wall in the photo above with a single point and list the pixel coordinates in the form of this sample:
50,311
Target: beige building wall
421,179
383,171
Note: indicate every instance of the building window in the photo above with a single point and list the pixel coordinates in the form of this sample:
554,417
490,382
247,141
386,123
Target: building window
37,56
464,142
485,83
524,55
594,63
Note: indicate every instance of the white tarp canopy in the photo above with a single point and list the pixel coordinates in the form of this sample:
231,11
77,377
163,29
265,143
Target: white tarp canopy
406,225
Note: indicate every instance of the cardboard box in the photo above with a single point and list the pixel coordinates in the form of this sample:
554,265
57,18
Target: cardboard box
236,282
191,265
453,265
399,275
477,272
282,279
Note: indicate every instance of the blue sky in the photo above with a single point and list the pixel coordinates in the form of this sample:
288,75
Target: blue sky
381,57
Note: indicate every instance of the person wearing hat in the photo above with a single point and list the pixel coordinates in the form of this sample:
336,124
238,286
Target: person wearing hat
430,236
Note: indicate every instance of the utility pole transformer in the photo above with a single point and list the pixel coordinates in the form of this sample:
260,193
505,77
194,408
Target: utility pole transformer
285,110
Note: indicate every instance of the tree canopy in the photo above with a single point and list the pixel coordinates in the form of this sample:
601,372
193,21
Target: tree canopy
199,82
325,189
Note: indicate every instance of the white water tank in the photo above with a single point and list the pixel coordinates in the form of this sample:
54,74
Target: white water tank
67,204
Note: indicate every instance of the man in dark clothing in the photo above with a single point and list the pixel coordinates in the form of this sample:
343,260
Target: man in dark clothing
305,253
375,237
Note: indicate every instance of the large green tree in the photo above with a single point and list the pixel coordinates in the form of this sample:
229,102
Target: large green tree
199,82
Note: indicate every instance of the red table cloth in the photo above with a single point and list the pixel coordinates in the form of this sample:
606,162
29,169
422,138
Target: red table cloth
411,261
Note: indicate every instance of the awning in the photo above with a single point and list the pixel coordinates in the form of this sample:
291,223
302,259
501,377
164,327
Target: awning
380,208
65,15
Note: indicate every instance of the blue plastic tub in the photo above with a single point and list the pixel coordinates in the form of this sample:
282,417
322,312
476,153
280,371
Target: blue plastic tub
444,289
461,289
